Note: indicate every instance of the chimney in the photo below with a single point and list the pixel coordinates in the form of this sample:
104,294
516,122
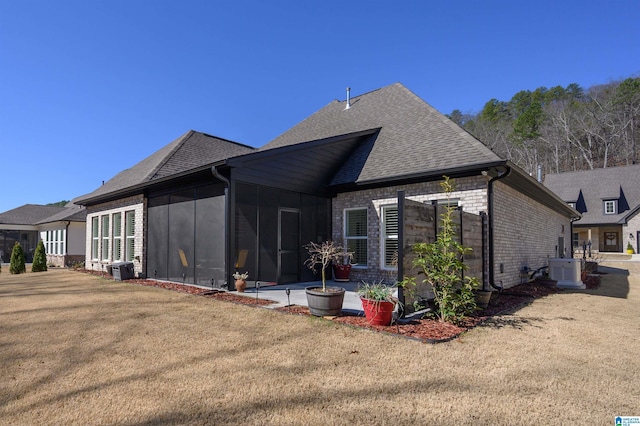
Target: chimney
348,98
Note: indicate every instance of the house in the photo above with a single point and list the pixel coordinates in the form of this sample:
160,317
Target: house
168,208
344,173
337,175
62,230
609,201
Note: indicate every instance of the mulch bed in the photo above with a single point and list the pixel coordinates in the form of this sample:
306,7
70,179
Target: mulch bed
424,329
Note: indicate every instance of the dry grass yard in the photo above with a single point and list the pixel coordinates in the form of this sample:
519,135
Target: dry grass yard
76,349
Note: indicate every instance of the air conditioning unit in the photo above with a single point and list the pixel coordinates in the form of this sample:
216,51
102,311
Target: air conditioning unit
566,272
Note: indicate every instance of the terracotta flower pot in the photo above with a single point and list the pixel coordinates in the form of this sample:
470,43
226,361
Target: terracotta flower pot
378,312
241,286
341,272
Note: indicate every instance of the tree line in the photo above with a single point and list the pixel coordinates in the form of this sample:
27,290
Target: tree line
562,128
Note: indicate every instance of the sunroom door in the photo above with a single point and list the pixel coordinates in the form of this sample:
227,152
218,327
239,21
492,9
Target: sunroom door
288,245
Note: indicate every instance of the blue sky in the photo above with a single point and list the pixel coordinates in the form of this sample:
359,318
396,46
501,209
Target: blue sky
91,87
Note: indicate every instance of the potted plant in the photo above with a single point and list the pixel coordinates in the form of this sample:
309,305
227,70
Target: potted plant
323,301
341,264
378,302
241,281
629,248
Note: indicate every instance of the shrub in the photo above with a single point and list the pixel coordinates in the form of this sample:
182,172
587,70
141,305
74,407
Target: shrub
39,259
442,266
17,265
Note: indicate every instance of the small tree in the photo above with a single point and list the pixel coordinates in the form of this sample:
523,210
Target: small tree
39,259
442,265
321,255
17,265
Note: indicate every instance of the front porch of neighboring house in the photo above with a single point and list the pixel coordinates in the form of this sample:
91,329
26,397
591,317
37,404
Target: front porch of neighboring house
598,239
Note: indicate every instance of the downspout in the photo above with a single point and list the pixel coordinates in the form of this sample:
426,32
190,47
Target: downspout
227,213
573,219
490,208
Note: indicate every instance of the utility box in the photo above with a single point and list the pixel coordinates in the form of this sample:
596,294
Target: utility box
566,272
122,271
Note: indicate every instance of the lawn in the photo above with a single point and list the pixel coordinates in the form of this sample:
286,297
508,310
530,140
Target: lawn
79,349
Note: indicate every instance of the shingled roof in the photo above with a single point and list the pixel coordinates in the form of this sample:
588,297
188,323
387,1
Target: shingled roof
190,151
596,186
37,214
414,138
29,214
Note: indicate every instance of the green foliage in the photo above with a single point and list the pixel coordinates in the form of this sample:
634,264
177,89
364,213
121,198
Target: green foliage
39,259
376,291
17,265
59,203
442,266
563,128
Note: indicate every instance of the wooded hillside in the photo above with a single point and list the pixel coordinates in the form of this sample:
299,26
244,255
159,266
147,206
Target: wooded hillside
562,128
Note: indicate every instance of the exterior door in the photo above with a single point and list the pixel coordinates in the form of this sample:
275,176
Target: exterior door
288,245
611,241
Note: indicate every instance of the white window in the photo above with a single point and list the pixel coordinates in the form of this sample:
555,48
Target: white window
117,236
610,207
389,235
95,238
130,234
573,205
105,237
355,234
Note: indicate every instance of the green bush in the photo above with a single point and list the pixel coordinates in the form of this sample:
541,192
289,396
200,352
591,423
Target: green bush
17,265
441,264
39,259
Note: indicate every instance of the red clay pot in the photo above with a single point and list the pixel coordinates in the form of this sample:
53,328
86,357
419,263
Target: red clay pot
378,312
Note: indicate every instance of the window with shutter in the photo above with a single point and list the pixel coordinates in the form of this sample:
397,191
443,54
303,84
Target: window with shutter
389,236
130,234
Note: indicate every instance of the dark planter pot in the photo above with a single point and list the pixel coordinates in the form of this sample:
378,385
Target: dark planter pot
325,303
341,273
483,297
378,312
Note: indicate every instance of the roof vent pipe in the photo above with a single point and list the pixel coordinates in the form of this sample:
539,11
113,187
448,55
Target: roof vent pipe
540,173
348,98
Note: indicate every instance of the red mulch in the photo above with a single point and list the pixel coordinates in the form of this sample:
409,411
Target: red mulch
425,329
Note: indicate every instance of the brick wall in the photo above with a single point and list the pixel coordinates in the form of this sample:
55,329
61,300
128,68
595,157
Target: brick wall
526,233
632,227
471,193
136,203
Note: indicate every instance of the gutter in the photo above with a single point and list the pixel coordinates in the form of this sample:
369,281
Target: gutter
490,208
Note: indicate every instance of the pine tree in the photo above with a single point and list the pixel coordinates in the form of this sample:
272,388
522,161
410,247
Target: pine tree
17,265
39,259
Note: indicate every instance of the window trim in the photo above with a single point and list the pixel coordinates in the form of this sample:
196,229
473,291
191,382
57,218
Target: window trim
130,238
359,264
117,236
105,237
95,238
613,204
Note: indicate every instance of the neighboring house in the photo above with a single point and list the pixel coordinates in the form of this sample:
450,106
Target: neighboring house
339,174
168,208
609,201
62,230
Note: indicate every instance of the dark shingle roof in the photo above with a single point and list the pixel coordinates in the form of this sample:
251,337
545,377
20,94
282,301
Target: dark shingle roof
597,186
29,214
414,138
190,151
71,213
